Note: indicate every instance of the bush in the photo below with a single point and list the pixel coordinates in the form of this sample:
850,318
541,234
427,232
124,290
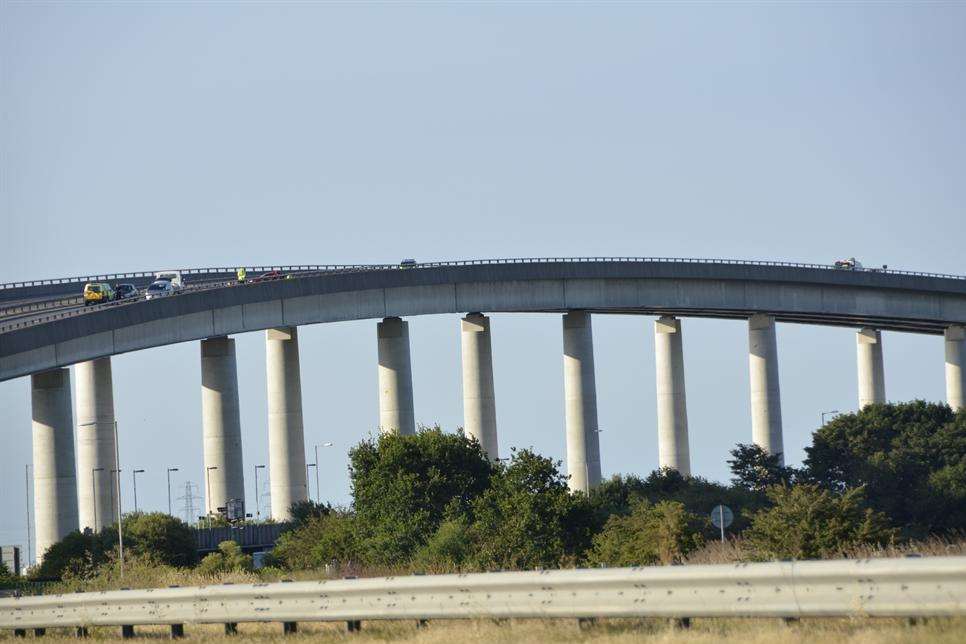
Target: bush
663,533
808,522
402,486
166,539
910,458
447,550
528,518
755,469
319,541
228,558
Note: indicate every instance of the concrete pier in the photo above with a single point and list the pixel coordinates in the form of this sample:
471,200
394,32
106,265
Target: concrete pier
766,406
221,424
395,377
672,407
580,399
479,401
955,363
286,440
868,344
55,481
96,452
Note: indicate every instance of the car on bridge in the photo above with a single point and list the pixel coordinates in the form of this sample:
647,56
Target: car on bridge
126,291
98,293
159,288
270,276
850,264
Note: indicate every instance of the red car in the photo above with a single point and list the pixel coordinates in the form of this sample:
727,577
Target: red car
269,276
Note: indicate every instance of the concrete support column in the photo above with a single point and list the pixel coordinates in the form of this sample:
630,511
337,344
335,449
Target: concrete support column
868,344
672,407
395,377
96,452
766,406
55,480
955,364
221,424
286,440
479,401
580,399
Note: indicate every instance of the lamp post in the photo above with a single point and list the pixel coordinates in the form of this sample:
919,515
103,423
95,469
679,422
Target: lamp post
26,480
307,466
258,506
94,494
827,413
120,525
170,469
318,494
134,475
208,483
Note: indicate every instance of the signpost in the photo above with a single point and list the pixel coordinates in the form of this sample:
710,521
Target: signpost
722,517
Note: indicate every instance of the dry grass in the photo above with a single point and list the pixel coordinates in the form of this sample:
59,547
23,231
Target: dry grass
702,631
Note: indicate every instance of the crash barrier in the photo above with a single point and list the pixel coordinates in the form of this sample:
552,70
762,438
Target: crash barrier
910,587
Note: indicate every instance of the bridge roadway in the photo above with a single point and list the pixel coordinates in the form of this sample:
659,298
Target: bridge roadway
42,344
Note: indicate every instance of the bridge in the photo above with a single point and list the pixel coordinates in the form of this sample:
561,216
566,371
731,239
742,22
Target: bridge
44,329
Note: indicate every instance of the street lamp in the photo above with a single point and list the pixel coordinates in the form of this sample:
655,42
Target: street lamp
170,469
307,466
134,475
94,494
318,494
827,413
258,506
208,480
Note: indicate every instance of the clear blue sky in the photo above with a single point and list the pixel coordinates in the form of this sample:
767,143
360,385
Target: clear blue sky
154,135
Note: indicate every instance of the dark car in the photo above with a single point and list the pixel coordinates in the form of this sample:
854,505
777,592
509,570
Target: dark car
125,291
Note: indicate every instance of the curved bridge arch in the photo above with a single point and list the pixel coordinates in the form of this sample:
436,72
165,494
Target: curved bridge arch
801,294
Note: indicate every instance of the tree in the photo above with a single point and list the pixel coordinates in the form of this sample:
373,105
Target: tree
77,554
528,518
808,522
7,580
403,485
228,558
663,533
166,539
303,511
318,541
910,458
755,469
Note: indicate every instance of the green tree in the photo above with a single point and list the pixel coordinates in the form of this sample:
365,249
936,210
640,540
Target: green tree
228,558
7,580
448,550
78,554
303,511
808,522
166,539
910,458
663,533
755,469
402,486
528,518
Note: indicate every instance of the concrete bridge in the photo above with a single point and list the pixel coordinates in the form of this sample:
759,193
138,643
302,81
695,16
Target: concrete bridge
43,330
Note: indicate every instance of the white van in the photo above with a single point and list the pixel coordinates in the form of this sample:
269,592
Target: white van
171,276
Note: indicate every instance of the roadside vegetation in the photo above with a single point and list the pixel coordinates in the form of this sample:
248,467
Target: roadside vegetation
887,480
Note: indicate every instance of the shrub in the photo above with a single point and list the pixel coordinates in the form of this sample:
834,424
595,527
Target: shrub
228,558
808,522
319,541
663,533
755,469
448,549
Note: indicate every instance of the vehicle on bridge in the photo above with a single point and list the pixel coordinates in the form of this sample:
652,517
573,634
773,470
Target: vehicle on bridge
98,293
850,264
409,262
171,276
270,276
126,291
160,288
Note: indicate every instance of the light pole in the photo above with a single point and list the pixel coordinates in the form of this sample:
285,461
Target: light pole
318,494
826,413
170,469
120,525
26,480
134,475
208,481
258,506
94,494
307,466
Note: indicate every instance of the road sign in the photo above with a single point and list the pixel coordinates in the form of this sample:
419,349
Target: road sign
721,517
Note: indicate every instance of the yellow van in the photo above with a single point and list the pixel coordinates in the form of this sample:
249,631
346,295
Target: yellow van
98,293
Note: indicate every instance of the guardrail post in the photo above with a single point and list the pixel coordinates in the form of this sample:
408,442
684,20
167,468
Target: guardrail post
20,632
584,623
127,631
40,632
231,628
353,626
81,632
177,631
290,628
681,623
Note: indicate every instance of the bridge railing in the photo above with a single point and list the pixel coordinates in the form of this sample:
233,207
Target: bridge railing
516,260
931,586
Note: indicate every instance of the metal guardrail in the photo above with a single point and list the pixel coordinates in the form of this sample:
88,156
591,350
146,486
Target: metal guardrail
517,260
932,586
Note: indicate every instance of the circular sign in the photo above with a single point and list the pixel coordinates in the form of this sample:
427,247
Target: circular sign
722,516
